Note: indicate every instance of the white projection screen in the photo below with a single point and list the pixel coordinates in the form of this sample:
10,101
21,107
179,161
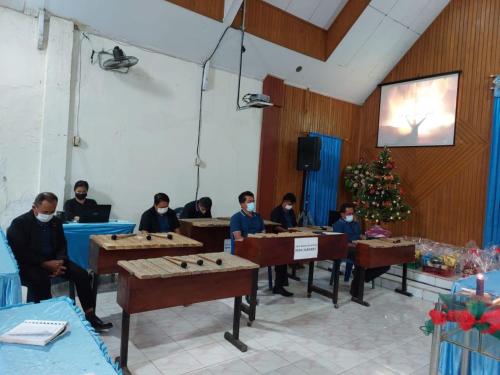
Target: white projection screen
420,112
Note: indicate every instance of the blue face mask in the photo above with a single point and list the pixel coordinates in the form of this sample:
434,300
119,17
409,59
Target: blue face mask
251,206
349,218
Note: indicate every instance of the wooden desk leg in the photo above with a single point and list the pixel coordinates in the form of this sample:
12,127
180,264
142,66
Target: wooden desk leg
310,279
336,272
253,298
123,358
234,338
404,282
95,286
361,288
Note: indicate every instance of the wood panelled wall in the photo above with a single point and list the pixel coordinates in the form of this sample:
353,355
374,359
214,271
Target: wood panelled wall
299,112
447,185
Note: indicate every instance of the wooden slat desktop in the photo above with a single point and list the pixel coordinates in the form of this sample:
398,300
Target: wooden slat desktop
105,252
380,253
213,232
151,284
275,249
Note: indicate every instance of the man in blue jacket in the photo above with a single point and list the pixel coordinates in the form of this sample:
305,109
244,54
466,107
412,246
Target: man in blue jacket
348,225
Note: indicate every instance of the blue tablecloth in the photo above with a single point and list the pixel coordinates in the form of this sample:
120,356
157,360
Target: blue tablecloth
77,236
10,284
449,363
80,351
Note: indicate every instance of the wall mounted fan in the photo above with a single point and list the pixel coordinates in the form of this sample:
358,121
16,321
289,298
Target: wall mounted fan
119,62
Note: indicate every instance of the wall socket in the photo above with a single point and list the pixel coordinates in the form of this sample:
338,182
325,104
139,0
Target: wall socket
76,141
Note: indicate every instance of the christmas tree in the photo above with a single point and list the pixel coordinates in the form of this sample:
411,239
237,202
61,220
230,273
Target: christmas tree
376,190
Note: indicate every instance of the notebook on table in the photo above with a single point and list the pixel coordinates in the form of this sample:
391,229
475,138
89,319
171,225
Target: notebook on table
35,332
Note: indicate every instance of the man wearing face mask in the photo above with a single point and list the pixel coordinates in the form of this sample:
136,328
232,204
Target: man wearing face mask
159,218
346,224
284,215
77,207
38,243
198,209
246,221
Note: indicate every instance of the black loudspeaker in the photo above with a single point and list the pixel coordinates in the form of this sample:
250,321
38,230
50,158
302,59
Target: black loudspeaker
308,152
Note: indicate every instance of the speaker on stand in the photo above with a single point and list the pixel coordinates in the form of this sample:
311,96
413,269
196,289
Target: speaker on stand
308,159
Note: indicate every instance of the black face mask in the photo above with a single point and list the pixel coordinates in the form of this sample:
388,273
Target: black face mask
81,196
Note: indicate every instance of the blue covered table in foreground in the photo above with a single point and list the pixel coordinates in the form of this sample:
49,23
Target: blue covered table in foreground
80,351
78,234
10,284
449,363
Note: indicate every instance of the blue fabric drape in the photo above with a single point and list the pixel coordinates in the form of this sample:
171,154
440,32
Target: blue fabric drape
10,283
322,186
492,221
78,237
81,351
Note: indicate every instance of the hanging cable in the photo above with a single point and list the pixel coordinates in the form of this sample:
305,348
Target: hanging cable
242,49
200,113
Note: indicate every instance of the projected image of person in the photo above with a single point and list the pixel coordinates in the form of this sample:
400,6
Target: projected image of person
419,112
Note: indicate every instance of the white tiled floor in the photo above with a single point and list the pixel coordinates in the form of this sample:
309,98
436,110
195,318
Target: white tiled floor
291,336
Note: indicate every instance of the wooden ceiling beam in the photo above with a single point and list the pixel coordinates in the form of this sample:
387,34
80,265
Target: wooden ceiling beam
210,8
273,24
343,23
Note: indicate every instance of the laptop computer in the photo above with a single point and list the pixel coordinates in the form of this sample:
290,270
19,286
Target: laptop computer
97,214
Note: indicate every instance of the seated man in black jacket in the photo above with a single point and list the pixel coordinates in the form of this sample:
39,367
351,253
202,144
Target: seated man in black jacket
38,242
284,215
78,206
198,209
159,218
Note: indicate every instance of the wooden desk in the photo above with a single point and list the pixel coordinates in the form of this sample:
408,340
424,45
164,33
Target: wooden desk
105,253
380,253
211,232
275,249
151,284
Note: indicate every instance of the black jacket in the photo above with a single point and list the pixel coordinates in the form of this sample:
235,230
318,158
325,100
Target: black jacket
73,208
25,239
149,220
190,211
278,216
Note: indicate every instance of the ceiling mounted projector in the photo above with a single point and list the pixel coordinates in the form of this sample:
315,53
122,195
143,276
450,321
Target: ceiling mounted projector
257,101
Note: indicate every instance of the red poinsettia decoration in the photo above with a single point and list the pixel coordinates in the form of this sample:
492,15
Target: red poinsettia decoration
437,317
465,319
452,315
493,319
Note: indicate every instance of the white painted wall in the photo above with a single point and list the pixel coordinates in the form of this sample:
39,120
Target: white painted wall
138,133
138,130
22,68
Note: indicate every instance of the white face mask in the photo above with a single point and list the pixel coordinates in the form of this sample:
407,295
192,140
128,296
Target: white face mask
162,211
349,218
288,207
45,218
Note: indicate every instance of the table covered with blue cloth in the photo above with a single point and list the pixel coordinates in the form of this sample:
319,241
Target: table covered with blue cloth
81,351
78,237
449,363
10,283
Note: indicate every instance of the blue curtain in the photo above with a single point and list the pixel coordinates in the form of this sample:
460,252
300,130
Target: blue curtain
492,220
322,186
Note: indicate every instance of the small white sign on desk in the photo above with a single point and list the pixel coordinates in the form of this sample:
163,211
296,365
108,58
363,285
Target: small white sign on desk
306,248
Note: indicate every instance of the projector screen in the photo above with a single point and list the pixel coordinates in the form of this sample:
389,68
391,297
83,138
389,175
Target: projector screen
419,112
